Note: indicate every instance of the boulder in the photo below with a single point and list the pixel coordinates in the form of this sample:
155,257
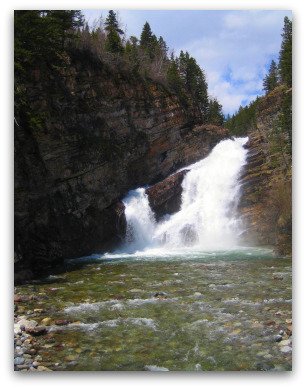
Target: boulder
36,331
165,196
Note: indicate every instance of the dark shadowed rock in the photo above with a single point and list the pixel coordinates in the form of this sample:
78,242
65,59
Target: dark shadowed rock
36,331
278,338
162,295
165,196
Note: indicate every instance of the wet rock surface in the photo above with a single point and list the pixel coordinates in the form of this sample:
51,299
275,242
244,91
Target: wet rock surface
165,196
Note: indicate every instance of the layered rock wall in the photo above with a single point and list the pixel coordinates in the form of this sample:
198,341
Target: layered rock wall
266,181
94,135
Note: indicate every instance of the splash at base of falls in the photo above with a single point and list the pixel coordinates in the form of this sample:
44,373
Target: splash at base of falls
140,220
207,219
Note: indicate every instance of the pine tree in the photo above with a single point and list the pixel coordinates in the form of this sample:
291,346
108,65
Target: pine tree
285,55
113,42
40,43
271,80
162,46
131,51
183,64
194,81
146,36
173,77
63,22
131,45
243,119
285,68
111,23
215,114
40,36
148,41
66,20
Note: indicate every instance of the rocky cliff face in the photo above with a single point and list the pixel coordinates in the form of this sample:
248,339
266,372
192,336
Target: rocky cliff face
266,181
95,135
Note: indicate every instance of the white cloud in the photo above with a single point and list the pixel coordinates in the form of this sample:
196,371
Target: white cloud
236,53
235,20
233,47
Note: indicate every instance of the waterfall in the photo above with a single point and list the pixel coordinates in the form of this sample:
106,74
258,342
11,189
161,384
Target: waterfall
140,220
207,219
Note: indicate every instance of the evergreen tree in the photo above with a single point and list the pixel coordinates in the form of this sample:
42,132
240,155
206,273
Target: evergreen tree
113,42
194,81
131,50
215,115
111,23
66,20
40,36
285,68
162,47
183,64
173,77
132,45
271,80
146,36
242,120
285,55
148,41
40,43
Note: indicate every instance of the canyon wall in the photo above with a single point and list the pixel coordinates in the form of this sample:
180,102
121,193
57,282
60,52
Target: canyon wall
266,181
92,134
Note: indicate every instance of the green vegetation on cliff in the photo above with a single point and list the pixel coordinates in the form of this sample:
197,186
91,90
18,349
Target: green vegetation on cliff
245,118
268,123
270,82
113,42
285,55
278,76
41,37
48,40
40,42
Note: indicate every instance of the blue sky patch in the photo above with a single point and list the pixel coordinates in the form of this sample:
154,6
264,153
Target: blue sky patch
234,48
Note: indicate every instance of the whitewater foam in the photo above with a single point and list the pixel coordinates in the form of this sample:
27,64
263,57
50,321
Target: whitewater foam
207,219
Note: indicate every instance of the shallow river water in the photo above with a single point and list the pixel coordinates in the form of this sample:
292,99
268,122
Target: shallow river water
205,311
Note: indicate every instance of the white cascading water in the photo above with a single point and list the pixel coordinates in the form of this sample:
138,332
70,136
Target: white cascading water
140,220
207,219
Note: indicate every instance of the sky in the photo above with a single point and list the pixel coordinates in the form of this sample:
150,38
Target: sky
234,48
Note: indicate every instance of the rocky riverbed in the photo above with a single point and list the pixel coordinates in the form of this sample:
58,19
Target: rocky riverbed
216,313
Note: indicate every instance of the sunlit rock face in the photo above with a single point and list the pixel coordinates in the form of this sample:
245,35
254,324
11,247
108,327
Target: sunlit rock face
266,181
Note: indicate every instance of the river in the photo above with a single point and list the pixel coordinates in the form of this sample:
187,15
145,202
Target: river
182,293
220,311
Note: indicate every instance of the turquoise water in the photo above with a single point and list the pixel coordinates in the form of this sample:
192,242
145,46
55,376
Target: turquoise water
181,311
